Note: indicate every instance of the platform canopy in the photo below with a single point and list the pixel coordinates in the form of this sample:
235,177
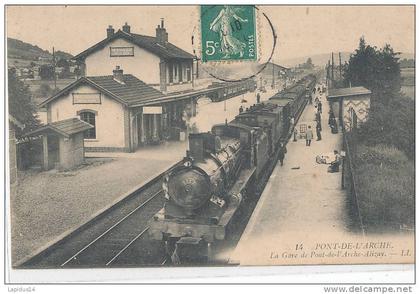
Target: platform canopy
65,128
335,94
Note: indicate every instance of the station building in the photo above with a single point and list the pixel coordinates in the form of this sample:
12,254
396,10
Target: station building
135,90
273,75
152,59
126,112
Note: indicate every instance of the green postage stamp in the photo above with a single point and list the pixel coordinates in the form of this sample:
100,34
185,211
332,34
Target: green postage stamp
228,33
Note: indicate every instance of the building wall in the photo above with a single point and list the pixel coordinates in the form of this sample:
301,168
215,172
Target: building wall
143,65
360,104
71,151
109,119
166,76
12,162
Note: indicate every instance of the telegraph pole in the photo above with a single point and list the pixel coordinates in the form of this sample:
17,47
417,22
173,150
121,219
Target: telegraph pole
332,68
328,73
55,77
273,77
339,58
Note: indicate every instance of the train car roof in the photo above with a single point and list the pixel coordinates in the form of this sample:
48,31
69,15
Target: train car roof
268,116
235,125
281,102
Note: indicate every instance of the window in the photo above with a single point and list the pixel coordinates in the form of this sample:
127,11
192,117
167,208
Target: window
171,72
189,74
180,72
89,117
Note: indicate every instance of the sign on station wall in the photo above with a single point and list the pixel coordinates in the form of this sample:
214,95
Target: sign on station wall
86,98
121,51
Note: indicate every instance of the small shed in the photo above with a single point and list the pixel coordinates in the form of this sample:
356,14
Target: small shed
350,105
62,143
14,124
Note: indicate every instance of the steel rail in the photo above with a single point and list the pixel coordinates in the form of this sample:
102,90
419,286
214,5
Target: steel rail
112,227
128,245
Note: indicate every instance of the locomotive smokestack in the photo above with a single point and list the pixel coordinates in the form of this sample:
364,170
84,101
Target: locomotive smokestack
196,147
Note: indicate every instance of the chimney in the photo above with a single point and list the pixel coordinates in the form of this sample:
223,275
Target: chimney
161,34
126,28
110,31
118,74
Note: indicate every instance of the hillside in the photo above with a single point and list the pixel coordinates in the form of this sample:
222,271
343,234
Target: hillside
317,59
322,59
22,53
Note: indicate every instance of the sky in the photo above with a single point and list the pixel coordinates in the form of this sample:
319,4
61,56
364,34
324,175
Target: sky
301,30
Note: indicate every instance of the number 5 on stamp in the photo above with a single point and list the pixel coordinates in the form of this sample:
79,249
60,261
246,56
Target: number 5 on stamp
228,33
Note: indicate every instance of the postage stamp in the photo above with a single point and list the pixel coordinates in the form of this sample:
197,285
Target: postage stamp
228,32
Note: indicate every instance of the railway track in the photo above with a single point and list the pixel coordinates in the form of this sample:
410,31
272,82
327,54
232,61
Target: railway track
117,237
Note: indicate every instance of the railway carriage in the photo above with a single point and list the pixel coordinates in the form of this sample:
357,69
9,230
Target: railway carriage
228,90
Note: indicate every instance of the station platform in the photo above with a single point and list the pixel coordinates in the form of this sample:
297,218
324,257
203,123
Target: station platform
300,202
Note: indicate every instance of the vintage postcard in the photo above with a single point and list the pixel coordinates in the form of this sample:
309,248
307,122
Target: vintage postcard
209,135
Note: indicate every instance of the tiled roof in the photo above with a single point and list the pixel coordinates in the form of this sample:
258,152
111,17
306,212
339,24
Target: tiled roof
65,127
342,92
132,91
166,51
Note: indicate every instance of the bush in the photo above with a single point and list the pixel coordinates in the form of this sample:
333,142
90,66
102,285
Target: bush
385,185
391,125
381,155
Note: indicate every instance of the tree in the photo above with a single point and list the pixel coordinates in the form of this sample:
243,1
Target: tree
309,63
62,63
20,103
46,72
391,116
45,90
407,63
375,69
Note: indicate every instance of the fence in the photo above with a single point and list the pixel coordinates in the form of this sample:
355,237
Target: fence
348,182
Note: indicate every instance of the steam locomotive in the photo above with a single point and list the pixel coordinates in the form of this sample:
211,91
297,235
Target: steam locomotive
223,171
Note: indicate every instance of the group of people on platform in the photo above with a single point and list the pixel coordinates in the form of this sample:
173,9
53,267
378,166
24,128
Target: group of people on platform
309,134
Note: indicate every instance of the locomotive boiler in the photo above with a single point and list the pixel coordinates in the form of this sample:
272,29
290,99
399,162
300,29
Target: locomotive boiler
209,169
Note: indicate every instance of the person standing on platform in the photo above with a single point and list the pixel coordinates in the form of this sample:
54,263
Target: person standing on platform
258,97
295,131
309,136
318,131
282,153
291,123
320,107
317,116
330,118
241,109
